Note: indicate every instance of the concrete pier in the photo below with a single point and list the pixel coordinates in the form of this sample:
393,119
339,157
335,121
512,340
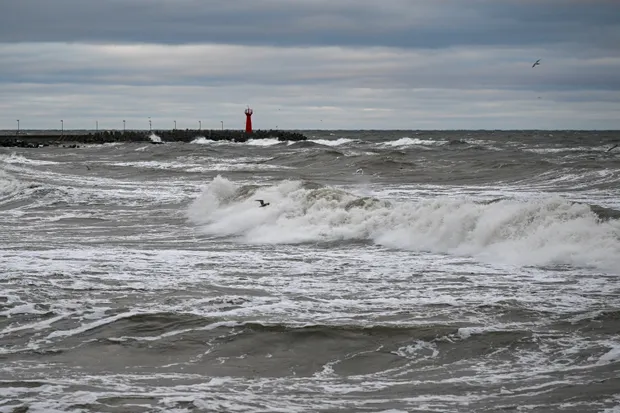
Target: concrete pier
35,139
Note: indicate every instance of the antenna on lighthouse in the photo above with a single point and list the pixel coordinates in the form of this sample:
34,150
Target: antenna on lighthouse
248,120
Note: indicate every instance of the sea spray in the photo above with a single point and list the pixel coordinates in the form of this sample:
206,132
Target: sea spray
544,231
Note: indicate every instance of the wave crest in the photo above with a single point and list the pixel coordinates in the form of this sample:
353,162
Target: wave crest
534,232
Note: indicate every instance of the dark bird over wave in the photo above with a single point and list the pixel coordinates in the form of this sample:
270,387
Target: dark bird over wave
262,203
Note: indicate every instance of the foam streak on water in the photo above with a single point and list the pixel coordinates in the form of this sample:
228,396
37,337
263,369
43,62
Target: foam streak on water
392,271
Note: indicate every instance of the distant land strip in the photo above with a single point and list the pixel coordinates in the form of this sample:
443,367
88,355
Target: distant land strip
36,139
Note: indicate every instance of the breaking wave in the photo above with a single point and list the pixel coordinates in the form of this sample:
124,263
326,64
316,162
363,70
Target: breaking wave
545,231
406,141
333,142
9,188
22,160
155,138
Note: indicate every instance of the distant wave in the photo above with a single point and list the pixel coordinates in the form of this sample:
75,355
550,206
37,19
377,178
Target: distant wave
263,142
333,142
22,160
204,141
406,141
251,142
543,231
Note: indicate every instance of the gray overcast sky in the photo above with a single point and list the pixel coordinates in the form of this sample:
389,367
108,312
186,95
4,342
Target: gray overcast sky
311,64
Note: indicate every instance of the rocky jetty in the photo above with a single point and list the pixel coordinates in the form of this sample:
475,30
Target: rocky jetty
32,139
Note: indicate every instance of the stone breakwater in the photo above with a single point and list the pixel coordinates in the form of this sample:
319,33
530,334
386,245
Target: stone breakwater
72,138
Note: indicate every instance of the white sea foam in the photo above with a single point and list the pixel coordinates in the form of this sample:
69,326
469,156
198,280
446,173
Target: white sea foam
29,308
544,231
153,164
263,142
406,141
97,323
419,350
581,180
37,326
576,149
466,332
72,216
332,142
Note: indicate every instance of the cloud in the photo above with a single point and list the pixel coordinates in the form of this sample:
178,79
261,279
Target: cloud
390,23
373,67
312,63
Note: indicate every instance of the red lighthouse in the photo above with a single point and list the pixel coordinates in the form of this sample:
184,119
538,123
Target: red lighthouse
248,121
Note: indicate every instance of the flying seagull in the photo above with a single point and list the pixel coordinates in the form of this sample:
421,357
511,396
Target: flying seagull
262,203
536,63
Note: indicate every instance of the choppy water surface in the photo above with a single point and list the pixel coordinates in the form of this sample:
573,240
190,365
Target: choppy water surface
391,272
